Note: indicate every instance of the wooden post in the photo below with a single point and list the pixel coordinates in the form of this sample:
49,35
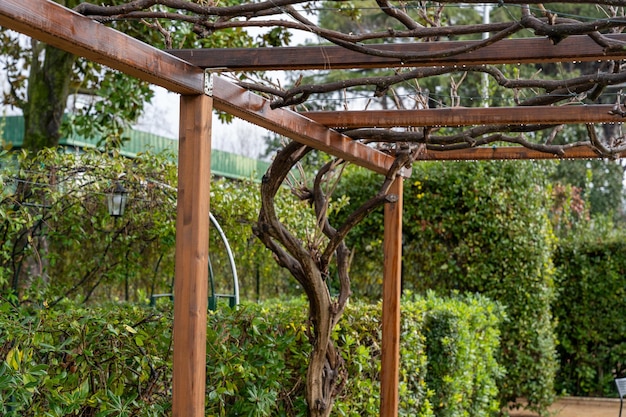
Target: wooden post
390,355
192,252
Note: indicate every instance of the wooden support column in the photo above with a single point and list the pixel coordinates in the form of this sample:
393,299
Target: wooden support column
192,253
390,355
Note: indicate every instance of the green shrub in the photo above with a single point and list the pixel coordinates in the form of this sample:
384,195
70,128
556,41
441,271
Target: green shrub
109,361
257,358
477,227
271,353
462,345
483,227
116,360
591,282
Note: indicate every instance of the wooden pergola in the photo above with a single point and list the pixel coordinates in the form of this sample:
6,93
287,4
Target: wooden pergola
189,73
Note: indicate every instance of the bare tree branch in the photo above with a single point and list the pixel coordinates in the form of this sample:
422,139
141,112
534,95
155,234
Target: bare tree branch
398,14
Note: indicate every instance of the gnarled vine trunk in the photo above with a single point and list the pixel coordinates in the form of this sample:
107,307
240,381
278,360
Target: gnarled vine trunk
309,264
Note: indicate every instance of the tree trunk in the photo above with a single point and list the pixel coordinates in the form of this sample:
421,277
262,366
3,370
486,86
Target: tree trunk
48,91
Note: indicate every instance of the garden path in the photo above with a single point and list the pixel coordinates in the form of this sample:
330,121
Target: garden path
579,407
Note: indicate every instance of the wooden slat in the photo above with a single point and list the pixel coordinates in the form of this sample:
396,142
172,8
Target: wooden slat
466,116
390,348
255,109
61,27
192,257
507,51
507,153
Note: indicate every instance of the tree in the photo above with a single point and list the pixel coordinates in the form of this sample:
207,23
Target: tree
61,94
42,79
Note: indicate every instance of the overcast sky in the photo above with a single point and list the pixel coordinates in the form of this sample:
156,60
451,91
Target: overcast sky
161,117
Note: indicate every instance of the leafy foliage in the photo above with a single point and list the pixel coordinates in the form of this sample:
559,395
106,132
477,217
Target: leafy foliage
599,181
116,103
55,212
105,361
477,228
569,209
590,306
42,79
491,235
48,84
116,360
236,205
257,361
57,215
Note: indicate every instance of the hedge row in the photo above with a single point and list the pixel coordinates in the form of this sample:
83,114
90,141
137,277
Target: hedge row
491,236
116,360
477,227
590,310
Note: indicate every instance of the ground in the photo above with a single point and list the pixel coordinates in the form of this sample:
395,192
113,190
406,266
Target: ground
580,407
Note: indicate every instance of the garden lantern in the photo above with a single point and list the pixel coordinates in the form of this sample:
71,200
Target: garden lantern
116,200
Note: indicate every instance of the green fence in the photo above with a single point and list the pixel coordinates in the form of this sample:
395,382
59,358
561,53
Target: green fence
223,164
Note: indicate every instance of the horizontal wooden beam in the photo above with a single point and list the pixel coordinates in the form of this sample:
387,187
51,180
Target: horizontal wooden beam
507,153
467,116
506,51
65,29
244,104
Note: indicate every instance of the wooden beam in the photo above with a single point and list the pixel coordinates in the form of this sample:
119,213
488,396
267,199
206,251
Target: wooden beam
192,256
467,116
392,288
65,29
256,109
508,153
507,51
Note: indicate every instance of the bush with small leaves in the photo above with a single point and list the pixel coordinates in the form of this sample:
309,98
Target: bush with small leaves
475,227
589,309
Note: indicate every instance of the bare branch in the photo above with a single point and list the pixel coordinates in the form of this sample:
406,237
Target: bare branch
474,137
398,14
247,9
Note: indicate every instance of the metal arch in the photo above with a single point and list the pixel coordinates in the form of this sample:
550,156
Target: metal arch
220,231
231,258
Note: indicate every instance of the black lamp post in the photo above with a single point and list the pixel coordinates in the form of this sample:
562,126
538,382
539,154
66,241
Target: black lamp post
116,200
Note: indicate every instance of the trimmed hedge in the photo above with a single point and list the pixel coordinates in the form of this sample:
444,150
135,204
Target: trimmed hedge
590,310
116,360
483,227
448,350
477,227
